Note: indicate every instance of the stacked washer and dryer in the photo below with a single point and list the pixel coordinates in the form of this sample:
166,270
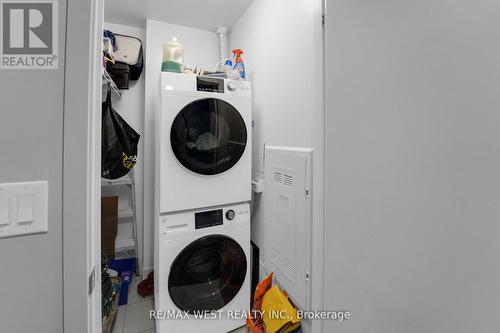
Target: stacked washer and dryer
203,190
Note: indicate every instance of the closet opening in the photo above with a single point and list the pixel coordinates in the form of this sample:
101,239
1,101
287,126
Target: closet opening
198,160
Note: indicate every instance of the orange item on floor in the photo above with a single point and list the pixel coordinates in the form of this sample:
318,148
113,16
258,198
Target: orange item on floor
255,324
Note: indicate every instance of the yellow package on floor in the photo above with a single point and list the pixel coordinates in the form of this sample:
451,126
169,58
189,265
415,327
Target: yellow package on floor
278,314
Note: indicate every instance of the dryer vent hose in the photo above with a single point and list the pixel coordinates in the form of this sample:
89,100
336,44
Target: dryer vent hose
222,34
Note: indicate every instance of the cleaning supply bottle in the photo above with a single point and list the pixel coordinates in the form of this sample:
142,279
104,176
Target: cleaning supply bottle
238,62
228,66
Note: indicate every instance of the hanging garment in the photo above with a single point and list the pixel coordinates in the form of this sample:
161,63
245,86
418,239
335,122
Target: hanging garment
119,143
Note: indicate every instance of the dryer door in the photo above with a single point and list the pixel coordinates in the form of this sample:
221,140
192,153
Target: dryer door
207,274
208,136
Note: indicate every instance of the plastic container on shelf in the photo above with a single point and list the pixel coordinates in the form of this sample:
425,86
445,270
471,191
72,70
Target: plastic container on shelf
173,56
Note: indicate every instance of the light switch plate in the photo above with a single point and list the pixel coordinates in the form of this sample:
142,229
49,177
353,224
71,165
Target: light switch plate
27,208
4,210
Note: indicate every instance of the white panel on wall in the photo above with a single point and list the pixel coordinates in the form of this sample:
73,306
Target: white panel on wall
288,218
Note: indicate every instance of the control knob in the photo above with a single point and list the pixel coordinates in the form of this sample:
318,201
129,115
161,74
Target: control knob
230,214
231,86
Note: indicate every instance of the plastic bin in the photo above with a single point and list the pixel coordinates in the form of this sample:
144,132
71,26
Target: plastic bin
125,269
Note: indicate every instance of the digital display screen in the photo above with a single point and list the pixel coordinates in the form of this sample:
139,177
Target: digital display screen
209,84
208,219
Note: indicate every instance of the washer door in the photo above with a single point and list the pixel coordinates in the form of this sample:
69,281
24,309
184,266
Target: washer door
208,136
207,274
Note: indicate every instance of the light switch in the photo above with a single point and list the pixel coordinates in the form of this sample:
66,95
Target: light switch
25,208
4,210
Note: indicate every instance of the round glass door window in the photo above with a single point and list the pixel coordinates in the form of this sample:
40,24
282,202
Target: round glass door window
207,274
208,136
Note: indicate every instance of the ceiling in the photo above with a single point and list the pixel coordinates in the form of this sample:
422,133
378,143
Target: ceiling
202,14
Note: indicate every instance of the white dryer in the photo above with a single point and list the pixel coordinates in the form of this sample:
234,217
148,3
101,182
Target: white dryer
203,266
204,142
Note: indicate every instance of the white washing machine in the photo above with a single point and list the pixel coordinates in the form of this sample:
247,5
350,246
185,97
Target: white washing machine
202,265
204,142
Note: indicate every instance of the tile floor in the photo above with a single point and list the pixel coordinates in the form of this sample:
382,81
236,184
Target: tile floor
134,317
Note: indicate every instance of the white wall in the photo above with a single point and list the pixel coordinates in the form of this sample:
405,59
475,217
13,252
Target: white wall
200,48
282,41
282,86
278,46
282,96
31,145
413,165
131,107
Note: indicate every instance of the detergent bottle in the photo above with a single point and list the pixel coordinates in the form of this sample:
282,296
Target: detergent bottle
238,62
173,56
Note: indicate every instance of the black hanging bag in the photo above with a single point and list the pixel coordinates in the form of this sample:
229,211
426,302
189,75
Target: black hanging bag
119,143
120,73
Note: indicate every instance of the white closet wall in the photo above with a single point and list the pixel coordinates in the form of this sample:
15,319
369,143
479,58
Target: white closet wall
282,41
31,143
281,60
413,165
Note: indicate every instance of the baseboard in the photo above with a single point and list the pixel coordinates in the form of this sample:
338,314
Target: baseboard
262,271
146,271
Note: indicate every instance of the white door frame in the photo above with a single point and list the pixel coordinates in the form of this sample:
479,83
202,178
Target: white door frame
82,161
319,167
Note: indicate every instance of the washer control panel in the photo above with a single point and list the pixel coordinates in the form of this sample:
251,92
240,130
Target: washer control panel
208,219
216,217
237,215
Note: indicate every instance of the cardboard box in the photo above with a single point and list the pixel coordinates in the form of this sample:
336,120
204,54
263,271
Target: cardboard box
109,224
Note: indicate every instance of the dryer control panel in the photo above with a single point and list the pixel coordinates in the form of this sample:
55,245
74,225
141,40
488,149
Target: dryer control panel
209,84
176,83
